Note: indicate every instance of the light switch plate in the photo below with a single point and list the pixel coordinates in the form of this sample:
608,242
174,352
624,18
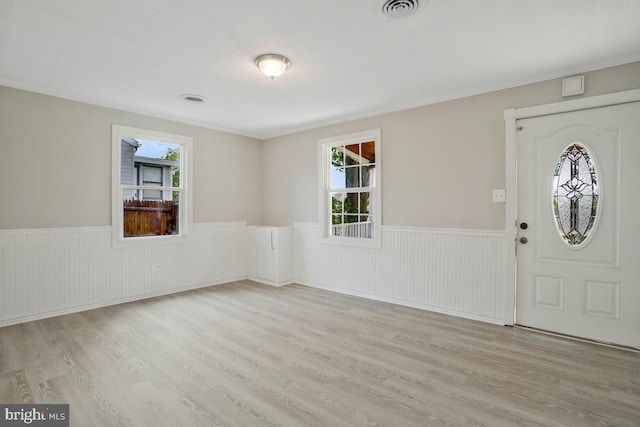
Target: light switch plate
499,196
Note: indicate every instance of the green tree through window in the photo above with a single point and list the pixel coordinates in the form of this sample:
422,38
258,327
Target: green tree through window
174,154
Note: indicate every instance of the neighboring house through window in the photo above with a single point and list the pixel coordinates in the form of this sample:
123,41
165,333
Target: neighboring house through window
349,194
151,196
152,172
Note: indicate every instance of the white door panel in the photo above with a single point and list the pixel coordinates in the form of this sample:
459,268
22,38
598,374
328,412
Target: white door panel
592,289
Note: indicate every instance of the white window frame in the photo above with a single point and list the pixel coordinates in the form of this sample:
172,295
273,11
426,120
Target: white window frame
185,217
324,189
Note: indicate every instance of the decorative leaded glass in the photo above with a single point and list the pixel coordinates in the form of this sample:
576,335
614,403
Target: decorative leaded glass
575,194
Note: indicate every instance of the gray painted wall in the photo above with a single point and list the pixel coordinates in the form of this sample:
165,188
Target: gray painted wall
440,162
55,164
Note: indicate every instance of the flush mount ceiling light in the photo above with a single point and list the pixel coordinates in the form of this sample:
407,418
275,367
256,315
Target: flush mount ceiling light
272,65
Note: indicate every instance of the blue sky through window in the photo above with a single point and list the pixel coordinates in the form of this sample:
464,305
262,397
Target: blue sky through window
155,150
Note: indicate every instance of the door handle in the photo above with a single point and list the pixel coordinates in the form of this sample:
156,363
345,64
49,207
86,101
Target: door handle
523,240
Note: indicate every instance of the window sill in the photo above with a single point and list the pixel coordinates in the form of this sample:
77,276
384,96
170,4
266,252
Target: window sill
353,242
134,242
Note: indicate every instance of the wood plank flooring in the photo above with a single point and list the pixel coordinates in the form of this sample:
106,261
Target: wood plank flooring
244,354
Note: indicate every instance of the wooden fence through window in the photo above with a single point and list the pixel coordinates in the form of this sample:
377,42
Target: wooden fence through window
150,218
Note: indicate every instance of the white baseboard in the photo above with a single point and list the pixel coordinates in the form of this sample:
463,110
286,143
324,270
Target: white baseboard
269,282
101,304
434,309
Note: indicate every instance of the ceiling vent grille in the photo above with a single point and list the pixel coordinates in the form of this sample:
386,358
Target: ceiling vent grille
394,9
194,98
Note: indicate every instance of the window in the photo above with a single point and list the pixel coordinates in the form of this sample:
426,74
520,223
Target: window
349,194
575,194
151,196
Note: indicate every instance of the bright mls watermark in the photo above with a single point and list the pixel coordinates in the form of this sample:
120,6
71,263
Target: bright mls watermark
41,415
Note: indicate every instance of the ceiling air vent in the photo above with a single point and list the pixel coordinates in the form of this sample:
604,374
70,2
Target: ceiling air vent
394,9
193,98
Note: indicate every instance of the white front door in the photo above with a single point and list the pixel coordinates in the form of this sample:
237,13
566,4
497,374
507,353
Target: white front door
578,271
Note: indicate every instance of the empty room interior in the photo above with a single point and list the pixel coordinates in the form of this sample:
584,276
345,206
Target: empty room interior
320,213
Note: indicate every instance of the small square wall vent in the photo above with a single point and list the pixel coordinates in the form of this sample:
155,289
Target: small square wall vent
572,86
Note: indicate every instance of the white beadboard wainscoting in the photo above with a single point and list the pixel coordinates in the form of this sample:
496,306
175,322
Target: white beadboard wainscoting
45,272
458,272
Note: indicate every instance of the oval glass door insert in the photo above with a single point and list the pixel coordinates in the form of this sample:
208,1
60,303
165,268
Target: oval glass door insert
575,194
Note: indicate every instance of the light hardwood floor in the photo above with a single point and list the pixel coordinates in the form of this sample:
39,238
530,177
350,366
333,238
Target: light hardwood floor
244,354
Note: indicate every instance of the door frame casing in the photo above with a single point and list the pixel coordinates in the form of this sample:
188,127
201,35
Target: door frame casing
511,116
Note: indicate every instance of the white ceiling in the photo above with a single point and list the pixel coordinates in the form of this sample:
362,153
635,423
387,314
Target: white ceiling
346,60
